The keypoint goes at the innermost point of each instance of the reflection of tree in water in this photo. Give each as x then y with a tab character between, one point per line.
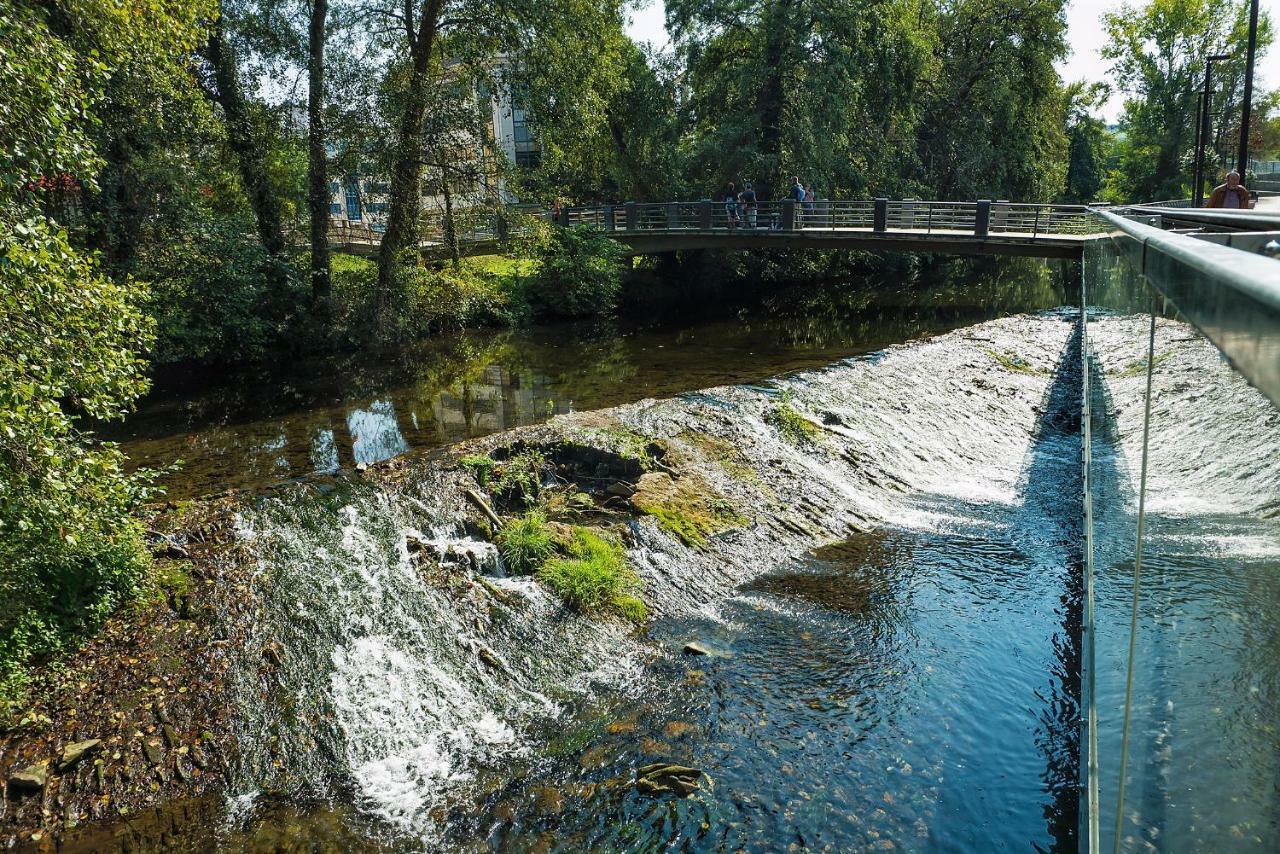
375	435
324	452
928	299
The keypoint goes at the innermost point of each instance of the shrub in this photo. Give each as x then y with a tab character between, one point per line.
525	543
70	550
594	577
520	477
480	465
212	295
579	272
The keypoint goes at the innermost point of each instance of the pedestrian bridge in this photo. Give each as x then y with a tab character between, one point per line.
646	228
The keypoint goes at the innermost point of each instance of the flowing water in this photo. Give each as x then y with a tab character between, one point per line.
903	676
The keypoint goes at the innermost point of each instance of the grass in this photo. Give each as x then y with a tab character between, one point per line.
526	543
595	577
501	265
520	476
793	426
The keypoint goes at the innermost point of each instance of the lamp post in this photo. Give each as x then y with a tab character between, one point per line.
1242	161
1202	136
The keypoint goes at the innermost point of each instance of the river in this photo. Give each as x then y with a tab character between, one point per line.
895	665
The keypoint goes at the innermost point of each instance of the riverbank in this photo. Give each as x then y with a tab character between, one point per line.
410	600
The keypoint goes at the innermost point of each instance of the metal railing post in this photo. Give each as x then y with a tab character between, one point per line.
982	218
1035	226
673	215
563	219
789	215
704	214
633	216
610	218
880	219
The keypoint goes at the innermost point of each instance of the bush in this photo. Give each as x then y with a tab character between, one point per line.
212	295
594	577
520	477
480	465
70	550
525	543
578	274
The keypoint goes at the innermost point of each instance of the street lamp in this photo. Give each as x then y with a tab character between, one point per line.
1242	162
1202	132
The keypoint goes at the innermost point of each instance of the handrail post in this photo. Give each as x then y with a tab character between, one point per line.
704	214
1035	226
609	218
789	215
982	218
880	219
673	215
633	216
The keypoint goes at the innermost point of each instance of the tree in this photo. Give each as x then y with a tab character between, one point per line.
70	550
1157	52
317	156
1088	141
991	122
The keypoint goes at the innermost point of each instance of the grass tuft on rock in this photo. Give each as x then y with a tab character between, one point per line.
595	577
526	542
1012	362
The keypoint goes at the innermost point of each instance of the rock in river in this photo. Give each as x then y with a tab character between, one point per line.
664	777
30	779
73	753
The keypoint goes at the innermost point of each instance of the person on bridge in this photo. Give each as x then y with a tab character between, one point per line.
749	203
1232	194
731	205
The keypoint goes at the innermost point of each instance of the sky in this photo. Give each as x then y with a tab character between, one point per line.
1084	32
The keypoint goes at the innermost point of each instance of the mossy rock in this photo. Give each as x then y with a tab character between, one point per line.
688	508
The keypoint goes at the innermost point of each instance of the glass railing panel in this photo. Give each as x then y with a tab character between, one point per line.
1202	759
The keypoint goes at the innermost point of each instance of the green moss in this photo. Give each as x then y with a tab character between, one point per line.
1012	362
689	510
525	543
480	465
732	460
594	577
1138	367
173	577
627	444
793	426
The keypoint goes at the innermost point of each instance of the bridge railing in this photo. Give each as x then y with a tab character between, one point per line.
980	218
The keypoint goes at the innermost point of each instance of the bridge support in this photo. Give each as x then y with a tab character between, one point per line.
633	216
704	214
880	215
673	215
982	218
789	215
610	218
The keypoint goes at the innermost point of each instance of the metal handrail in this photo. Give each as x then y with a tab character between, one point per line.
1231	296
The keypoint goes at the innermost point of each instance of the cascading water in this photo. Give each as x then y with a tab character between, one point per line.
396	668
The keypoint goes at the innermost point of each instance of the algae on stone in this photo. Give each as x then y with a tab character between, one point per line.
688	508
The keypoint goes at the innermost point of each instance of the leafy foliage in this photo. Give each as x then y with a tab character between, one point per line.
70	552
579	272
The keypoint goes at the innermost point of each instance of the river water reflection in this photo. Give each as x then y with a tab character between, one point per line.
254	428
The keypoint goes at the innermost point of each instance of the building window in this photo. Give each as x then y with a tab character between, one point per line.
335	208
527	153
353	203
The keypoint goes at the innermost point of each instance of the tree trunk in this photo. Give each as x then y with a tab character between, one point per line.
318	196
406	171
770	100
450	227
249	151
